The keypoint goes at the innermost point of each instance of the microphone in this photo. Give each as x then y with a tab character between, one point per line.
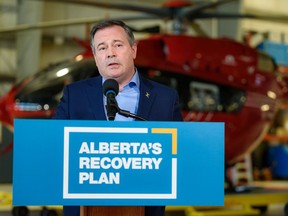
110	90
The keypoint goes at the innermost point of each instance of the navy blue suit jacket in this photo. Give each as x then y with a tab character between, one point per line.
83	100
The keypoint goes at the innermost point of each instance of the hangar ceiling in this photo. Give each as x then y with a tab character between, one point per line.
52	11
15	52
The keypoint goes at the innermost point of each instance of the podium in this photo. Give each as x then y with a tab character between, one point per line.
112	211
117	168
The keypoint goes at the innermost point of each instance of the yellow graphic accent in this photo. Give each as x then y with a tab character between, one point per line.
172	131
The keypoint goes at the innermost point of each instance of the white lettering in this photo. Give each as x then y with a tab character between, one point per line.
84	162
103	147
157	148
125	148
84	148
119	163
104	178
83	176
114	148
143	149
121	148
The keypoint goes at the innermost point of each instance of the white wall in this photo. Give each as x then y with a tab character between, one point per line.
277	30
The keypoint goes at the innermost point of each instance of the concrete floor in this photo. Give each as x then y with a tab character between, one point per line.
275	209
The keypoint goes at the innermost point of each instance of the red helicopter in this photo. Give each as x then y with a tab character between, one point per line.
218	80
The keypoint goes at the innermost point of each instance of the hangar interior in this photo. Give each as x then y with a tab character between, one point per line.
36	34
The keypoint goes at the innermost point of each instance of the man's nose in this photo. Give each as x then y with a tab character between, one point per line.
111	52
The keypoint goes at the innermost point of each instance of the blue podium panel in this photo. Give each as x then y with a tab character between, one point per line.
72	162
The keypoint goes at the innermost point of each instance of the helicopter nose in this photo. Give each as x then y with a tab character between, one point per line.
4	114
5	122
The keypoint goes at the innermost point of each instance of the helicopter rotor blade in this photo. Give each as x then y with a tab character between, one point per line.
151	29
198	29
177	12
194	10
275	18
69	22
156	11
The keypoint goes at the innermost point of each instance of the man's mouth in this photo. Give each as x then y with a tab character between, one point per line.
114	64
111	64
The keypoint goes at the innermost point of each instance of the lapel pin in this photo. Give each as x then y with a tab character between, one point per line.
147	95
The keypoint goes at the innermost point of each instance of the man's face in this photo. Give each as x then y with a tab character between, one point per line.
114	56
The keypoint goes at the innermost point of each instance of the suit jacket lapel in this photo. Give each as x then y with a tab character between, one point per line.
147	96
95	96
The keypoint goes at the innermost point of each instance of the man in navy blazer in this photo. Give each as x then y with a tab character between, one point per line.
156	102
114	49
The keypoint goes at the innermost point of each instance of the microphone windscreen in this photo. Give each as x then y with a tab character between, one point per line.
110	85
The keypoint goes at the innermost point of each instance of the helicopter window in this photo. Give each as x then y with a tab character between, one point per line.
203	97
158	76
45	90
85	70
265	62
233	99
42	98
209	97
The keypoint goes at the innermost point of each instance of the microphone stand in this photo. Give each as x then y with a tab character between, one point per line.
124	112
129	114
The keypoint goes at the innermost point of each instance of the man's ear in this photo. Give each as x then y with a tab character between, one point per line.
134	47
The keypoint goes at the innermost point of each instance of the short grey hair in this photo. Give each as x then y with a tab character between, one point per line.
108	23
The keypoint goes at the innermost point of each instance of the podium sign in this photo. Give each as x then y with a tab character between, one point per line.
73	162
